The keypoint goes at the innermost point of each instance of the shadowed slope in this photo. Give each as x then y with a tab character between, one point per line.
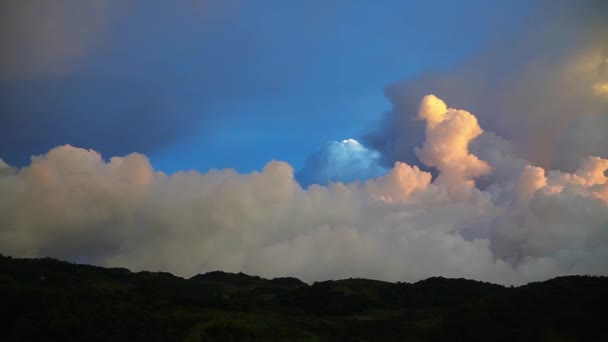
50	299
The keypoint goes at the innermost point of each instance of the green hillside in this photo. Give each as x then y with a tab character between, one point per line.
51	300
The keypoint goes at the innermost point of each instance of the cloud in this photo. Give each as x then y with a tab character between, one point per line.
93	73
539	87
448	134
341	161
90	74
45	38
73	204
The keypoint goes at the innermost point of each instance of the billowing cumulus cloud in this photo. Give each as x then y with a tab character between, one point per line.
341	161
541	87
448	134
537	223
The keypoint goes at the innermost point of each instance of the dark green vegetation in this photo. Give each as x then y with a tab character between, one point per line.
51	300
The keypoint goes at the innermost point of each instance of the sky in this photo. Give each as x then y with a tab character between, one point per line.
320	139
216	84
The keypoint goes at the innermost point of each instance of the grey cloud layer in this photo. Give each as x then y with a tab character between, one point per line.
91	73
529	225
544	88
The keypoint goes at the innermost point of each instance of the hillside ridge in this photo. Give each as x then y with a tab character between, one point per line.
50	299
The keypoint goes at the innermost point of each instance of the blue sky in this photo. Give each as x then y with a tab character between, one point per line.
339	93
482	123
217	84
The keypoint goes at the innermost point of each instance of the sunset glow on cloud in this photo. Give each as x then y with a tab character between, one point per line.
486	158
541	223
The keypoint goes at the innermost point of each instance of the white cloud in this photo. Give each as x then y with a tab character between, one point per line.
448	134
542	89
72	204
341	161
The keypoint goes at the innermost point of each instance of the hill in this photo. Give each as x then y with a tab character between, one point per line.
48	299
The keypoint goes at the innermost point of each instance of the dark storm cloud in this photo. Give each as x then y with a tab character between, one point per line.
133	76
109	114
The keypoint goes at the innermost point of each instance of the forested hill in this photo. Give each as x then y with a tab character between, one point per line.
51	300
